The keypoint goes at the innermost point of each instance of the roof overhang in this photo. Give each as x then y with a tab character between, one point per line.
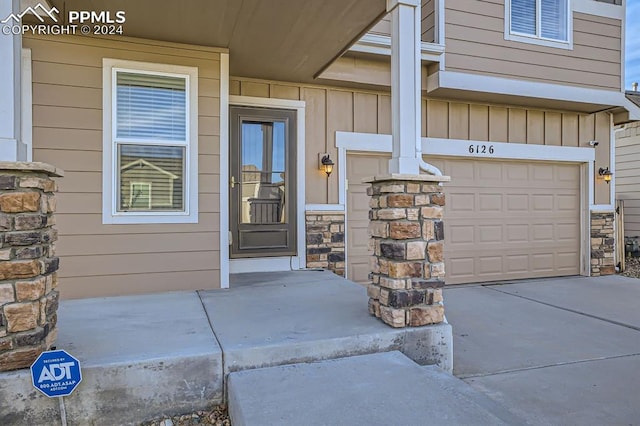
291	40
483	88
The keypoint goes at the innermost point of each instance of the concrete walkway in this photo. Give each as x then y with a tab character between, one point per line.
378	389
166	354
560	351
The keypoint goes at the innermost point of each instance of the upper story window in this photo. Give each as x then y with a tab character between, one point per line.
150	143
545	22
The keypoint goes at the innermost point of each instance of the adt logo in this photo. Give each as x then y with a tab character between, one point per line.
56	373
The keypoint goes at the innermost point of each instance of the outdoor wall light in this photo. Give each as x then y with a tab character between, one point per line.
326	163
606	174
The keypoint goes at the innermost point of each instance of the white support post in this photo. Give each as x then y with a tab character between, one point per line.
11	148
405	85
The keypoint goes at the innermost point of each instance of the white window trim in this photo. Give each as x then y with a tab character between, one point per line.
110	215
541	41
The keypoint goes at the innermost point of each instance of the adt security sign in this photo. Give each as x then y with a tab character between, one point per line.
56	373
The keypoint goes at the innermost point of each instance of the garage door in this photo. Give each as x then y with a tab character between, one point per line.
503	219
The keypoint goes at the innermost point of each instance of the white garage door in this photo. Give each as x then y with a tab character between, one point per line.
503	219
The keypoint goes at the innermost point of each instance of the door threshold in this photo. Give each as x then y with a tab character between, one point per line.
264	264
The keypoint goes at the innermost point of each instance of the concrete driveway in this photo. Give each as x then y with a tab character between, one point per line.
562	351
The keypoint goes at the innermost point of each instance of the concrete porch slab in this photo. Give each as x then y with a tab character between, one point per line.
141	356
378	389
273	319
151	355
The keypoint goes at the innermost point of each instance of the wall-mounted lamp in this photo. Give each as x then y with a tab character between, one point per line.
606	174
326	163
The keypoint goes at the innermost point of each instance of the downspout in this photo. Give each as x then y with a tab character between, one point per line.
429	168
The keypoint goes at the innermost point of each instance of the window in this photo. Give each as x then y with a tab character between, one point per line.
150	143
545	22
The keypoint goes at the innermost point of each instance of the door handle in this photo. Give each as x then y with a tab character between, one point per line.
232	182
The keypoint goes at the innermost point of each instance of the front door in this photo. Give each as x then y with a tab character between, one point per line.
262	182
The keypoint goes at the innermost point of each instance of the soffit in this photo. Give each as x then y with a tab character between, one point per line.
289	40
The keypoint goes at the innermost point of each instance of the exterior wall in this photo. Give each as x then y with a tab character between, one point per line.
383	27
627	176
474	33
327	110
332	109
97	259
325	241
428	23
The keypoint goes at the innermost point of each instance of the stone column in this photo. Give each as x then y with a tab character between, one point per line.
408	262
28	278
602	244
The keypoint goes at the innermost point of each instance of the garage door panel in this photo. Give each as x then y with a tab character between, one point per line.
568	202
490	234
517	174
567	231
459	234
461	202
542	203
489	202
542	233
517	263
517	202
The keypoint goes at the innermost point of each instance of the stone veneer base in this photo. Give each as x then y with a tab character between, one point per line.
602	244
325	241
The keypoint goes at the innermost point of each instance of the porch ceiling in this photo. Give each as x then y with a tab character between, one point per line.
274	39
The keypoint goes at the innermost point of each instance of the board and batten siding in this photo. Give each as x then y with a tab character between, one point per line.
628	176
108	260
331	109
474	32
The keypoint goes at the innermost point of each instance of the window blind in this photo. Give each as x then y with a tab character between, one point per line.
523	16
150	107
554	19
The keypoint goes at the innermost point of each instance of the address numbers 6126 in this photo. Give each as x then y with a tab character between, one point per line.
481	149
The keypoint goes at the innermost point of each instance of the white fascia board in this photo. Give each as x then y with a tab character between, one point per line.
634	110
524	88
381	45
369	142
506	151
598	8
